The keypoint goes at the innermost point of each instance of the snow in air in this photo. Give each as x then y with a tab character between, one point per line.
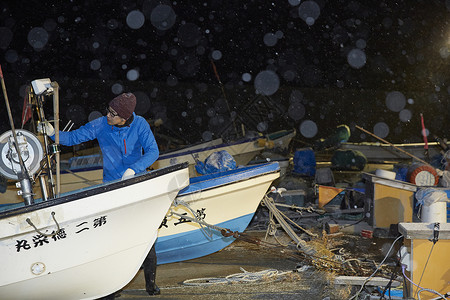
381	129
395	101
309	11
267	82
135	19
308	128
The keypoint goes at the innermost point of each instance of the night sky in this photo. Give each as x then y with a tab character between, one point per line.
308	65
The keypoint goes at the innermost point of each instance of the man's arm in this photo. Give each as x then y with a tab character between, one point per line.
85	133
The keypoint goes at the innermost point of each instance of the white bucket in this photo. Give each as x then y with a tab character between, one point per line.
434	213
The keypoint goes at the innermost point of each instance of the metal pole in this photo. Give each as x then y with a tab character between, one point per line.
23	176
399	149
40	104
56	119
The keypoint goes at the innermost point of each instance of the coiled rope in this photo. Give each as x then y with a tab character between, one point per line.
245	277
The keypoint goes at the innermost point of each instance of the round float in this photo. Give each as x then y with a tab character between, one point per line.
422	175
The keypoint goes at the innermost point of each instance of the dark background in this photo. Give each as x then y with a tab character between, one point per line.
91	50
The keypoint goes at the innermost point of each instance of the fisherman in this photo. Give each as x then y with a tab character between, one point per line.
128	147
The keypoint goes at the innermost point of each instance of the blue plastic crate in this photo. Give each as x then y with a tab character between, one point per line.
394	293
305	162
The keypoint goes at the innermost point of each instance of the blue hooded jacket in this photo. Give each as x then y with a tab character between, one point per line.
121	146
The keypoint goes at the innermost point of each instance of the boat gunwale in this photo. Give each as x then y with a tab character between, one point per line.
217	181
91	191
221	186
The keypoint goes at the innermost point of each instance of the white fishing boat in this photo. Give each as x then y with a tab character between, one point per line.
84	244
242	151
224	200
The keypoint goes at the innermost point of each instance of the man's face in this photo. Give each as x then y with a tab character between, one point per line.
113	118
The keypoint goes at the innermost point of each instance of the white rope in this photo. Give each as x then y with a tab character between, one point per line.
301	244
246	277
271	205
272	230
203	225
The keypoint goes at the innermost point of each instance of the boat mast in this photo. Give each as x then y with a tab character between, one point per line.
55	87
23	176
40	89
48	156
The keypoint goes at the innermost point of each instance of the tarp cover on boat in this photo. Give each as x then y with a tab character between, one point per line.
216	162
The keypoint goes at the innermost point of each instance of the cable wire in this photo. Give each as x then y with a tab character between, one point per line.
379	266
421	288
388	286
424	267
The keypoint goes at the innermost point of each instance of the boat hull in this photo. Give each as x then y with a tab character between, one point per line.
100	246
195	243
227	201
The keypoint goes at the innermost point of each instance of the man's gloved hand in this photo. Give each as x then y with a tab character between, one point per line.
49	130
128	174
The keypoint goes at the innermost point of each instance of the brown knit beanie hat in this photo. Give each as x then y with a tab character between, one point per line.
124	105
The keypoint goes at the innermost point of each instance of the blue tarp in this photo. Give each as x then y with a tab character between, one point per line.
219	161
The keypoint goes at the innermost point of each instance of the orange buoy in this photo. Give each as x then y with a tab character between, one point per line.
422	175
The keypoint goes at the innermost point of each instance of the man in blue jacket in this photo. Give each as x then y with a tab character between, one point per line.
121	135
128	147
